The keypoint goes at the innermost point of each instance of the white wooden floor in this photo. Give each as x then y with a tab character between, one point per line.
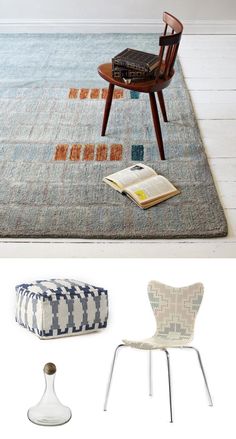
209	66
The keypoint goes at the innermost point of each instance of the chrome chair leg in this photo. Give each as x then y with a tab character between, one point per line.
150	374
110	376
169	382
203	373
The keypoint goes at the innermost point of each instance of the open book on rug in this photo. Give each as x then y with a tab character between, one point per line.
142	185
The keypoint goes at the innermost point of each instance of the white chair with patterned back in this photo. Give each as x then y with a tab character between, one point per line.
175	311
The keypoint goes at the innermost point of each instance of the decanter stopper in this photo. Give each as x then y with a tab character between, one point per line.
49	410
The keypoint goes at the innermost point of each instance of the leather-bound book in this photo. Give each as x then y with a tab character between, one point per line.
136	60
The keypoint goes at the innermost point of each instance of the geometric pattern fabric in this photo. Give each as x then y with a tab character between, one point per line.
101	93
96	152
61	307
175	310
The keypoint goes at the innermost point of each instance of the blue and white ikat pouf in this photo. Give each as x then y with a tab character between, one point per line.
61	307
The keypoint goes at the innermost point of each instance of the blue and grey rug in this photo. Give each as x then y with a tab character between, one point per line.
52	158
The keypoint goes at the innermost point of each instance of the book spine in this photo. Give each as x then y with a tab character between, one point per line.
120	72
130	65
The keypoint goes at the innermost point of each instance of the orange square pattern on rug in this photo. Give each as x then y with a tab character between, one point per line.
93	93
116	152
75	152
61	152
101	153
89	152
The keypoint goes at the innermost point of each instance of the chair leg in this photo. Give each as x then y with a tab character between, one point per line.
111	375
157	126
203	373
107	108
150	374
169	383
162	105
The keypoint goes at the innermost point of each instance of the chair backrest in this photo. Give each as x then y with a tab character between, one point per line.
175	309
169	44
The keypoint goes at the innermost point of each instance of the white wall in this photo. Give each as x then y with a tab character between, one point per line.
141	9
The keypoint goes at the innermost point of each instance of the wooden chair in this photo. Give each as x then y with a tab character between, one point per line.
169	44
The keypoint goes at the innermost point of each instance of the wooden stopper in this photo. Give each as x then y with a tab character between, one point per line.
49	368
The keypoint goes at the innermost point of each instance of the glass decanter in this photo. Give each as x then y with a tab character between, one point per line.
49	411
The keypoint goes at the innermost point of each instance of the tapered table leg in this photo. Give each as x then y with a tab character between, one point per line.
157	126
107	108
162	105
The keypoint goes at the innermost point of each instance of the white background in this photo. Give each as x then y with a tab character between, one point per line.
83	362
86	9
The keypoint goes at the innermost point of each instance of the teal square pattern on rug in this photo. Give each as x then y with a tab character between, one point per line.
53	159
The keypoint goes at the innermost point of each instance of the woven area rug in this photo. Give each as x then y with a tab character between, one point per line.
52	158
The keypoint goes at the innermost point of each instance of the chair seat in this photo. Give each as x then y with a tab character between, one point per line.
157	343
154	85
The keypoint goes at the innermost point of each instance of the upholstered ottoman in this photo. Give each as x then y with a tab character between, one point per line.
61	307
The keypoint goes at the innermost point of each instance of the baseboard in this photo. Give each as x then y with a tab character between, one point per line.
112	25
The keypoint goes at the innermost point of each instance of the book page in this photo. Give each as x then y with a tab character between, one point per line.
152	188
129	176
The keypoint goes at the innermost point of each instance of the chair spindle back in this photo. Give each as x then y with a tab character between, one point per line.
169	44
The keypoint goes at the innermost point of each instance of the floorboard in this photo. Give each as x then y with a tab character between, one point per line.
205	111
205	68
224	169
219	137
227	192
214	96
208	83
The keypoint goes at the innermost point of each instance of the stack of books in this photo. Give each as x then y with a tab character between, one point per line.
134	65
